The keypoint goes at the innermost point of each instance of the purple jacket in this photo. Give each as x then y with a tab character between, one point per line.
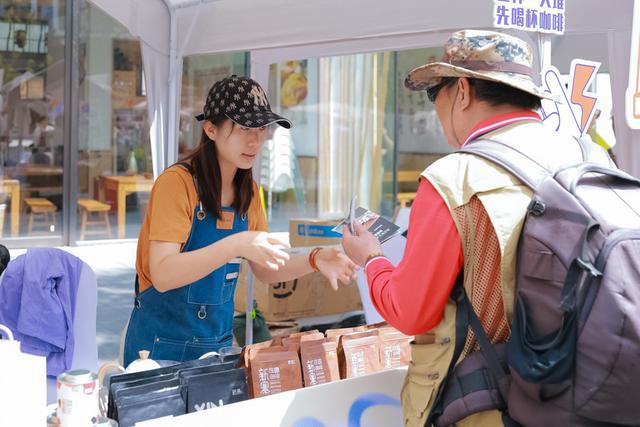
38	301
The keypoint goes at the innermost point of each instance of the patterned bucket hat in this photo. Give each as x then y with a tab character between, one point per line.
486	55
243	101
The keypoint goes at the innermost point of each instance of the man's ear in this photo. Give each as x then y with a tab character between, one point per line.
210	129
464	93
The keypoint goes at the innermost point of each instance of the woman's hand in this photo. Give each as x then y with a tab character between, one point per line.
360	245
335	266
263	249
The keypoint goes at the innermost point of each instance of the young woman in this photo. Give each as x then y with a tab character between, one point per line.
204	216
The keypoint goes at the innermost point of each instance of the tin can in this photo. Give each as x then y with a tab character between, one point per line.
77	398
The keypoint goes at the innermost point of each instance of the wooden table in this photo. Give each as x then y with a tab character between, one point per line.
37	178
12	187
124	185
29	170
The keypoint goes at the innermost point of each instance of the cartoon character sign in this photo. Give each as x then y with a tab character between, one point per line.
576	112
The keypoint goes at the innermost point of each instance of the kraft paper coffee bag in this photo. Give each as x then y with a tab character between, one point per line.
358	356
274	370
395	350
319	359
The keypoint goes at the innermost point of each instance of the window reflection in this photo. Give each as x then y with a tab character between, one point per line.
31	118
115	166
198	74
357	132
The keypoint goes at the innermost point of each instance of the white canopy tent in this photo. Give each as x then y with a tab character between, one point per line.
276	30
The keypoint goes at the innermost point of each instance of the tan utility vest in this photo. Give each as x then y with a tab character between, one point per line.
458	178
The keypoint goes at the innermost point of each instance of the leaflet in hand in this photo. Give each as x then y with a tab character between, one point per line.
379	226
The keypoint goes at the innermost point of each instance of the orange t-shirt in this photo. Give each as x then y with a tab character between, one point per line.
170	215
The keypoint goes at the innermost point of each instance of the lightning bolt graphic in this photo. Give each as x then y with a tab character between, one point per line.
583	75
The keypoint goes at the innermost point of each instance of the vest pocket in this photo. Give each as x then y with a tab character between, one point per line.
427	370
417	395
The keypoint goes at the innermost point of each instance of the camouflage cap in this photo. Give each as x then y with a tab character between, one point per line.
486	55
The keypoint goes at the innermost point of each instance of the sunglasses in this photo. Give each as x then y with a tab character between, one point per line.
432	92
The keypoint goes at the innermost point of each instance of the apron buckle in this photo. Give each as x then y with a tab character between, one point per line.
201	214
136	303
202	312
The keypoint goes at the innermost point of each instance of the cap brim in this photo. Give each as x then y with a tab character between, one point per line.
426	76
257	120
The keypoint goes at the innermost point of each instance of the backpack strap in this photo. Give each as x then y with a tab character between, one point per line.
526	169
462	326
591	151
499	379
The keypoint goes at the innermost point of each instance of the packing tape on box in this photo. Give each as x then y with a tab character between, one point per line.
316	230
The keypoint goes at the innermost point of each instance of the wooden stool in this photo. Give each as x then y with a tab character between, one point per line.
41	206
89	206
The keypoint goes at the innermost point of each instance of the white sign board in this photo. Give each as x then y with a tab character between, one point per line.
632	97
543	16
368	401
573	115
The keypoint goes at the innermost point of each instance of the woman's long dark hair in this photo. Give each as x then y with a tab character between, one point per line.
203	165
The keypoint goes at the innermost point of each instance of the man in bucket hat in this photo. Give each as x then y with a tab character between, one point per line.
468	212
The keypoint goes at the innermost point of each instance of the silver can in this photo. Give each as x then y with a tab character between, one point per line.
77	398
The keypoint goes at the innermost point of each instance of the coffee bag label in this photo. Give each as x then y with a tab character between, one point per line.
269	381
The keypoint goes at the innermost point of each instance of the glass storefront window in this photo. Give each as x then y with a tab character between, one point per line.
198	75
340	145
357	132
32	75
115	167
419	136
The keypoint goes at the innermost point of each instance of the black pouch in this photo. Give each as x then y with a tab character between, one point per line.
153	375
115	390
188	372
122	380
136	408
141	392
231	358
214	389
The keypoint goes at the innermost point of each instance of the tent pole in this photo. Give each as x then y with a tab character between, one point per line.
544	49
251	284
171	144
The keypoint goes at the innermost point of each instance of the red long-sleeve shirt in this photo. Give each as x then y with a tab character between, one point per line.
412	296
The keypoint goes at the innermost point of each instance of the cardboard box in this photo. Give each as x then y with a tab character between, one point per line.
313	232
308	296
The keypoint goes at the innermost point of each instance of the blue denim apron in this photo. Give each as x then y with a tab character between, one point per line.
184	323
